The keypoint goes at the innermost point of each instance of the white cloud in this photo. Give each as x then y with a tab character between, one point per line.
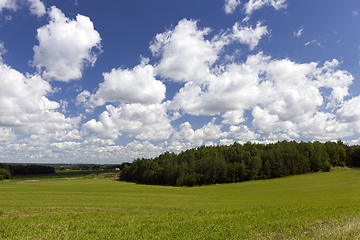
238	87
268	123
8	4
226	142
66	145
286	99
249	35
209	131
313	42
253	5
353	142
298	32
94	126
46	122
278	4
186	132
324	126
98	142
246	19
2	49
280	93
185	54
230	6
137	149
58	136
6	136
137	85
65	46
143	122
36	6
44	143
210	143
233	117
24	107
83	98
349	111
177	146
243	133
338	80
89	150
21	93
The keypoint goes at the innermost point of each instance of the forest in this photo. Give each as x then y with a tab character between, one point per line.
8	170
240	162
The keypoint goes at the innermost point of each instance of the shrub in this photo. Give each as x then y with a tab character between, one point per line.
4	174
326	166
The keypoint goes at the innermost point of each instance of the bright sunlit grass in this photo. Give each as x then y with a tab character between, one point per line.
312	206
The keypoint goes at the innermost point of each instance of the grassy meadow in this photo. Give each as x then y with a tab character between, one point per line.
80	205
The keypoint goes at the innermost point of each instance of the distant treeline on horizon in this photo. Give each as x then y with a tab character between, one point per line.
7	170
240	162
18	169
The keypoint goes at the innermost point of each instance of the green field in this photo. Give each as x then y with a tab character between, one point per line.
79	205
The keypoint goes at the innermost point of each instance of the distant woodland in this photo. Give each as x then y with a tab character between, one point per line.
240	162
8	170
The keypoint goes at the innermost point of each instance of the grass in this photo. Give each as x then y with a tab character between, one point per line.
95	206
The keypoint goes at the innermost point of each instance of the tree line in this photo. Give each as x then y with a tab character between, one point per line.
240	162
8	170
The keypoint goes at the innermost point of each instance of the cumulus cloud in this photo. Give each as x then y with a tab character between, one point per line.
266	122
98	142
248	35
24	107
283	96
65	46
323	125
259	98
8	4
94	126
280	93
233	117
231	5
36	6
6	136
242	133
59	136
66	145
137	85
185	53
338	80
137	149
349	111
253	5
23	93
91	149
290	89
207	132
226	142
143	122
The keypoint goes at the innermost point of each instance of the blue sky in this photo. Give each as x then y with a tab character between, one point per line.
110	81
